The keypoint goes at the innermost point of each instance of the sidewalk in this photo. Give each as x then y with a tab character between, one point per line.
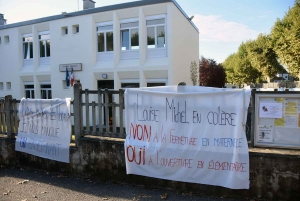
31	185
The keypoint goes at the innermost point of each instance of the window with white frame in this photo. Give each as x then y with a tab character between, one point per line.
64	31
129	35
105	37
75	29
156	82
27	47
44	39
46	92
1	85
130	85
29	91
8	85
156	31
6	39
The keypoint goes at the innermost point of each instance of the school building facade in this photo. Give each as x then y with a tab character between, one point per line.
137	44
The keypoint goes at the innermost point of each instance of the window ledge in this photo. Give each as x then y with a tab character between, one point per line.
130	50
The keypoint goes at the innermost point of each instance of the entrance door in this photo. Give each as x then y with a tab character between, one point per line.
106	84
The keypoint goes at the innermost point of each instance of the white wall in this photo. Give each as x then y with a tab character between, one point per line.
182	47
10	62
185	45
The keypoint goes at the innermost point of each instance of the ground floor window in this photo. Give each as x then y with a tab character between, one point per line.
29	91
46	91
157	84
130	85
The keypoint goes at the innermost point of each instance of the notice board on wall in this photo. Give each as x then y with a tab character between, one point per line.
277	120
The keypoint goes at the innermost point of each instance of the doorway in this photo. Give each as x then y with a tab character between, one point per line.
106	84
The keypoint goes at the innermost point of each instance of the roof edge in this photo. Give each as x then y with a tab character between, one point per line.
96	10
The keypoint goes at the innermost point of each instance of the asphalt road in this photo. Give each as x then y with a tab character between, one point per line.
32	185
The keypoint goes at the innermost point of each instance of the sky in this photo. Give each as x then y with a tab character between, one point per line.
223	24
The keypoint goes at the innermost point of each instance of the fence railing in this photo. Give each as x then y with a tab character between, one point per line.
93	112
9	121
103	116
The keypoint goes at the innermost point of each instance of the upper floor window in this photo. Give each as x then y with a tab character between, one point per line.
64	30
8	85
75	29
44	45
105	37
129	35
6	39
155	32
27	47
0	40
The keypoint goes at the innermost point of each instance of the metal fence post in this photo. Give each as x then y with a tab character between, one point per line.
121	107
252	116
77	108
9	125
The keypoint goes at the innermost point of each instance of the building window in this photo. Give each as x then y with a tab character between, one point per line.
46	91
27	47
1	85
105	38
8	85
154	84
75	29
29	91
129	35
0	40
156	33
130	85
44	45
6	39
64	31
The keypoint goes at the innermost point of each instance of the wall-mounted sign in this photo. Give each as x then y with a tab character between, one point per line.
76	67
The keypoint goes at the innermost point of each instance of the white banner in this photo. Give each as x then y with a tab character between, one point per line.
188	134
45	128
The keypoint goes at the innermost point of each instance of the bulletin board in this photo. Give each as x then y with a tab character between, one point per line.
277	120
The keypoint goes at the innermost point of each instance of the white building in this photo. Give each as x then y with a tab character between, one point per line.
137	44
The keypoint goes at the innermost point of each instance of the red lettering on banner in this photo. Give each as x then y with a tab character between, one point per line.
140	132
236	167
176	162
132	156
182	140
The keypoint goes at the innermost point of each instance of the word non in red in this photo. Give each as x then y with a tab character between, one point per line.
140	132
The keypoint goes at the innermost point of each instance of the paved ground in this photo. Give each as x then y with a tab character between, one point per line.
31	185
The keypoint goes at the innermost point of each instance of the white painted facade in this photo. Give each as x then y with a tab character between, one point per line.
169	63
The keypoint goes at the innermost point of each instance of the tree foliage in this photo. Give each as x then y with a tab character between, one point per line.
238	68
194	73
254	62
286	39
211	73
262	57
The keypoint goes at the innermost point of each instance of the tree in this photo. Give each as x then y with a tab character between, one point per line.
286	39
262	56
211	73
238	68
194	73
